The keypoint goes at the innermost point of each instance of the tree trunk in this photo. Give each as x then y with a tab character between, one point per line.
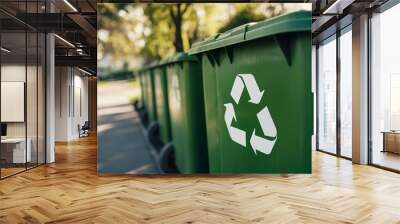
178	36
178	42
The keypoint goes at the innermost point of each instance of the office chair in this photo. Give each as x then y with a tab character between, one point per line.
84	130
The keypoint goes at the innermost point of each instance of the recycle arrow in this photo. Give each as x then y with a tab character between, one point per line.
237	135
268	127
261	144
249	81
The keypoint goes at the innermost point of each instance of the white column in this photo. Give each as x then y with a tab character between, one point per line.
50	92
50	99
360	90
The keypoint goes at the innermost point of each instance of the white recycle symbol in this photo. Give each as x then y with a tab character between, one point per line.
258	143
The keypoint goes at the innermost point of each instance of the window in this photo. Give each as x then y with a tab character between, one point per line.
346	92
385	89
327	96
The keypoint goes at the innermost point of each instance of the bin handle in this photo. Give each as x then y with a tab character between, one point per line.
246	29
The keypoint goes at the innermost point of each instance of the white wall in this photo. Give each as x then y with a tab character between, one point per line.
14	72
71	87
62	81
33	125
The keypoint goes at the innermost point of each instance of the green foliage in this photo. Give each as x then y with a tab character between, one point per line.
139	33
247	13
242	17
114	31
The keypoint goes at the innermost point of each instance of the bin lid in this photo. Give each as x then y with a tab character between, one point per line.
179	57
148	66
292	22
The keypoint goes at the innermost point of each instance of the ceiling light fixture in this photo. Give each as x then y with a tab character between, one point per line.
70	5
337	7
64	40
84	71
5	50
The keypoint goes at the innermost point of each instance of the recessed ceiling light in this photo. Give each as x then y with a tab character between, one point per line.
64	40
5	50
84	71
70	5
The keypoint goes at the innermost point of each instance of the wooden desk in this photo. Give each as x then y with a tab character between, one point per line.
391	141
16	154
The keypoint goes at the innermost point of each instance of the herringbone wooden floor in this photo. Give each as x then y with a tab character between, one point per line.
70	191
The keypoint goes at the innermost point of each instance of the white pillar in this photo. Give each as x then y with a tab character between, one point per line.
50	92
50	99
360	90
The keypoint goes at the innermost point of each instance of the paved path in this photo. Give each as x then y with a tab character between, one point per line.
122	147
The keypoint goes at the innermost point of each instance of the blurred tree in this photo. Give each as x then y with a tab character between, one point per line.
242	17
115	30
160	29
247	13
142	32
177	12
168	25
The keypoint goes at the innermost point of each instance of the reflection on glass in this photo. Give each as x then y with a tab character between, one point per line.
13	85
22	90
385	89
346	94
327	96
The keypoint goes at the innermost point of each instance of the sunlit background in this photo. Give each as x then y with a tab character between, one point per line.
130	35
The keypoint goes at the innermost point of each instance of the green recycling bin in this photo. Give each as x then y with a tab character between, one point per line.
258	98
147	74
185	91
161	99
141	85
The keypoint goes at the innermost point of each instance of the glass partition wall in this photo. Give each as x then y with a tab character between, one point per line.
22	106
327	95
334	93
385	90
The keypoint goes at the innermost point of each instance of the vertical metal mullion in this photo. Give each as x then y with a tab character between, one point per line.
45	95
338	77
26	85
69	93
60	86
317	96
73	93
37	90
45	89
369	89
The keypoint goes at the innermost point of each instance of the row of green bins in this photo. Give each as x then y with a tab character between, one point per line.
140	77
147	85
161	101
257	95
185	91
